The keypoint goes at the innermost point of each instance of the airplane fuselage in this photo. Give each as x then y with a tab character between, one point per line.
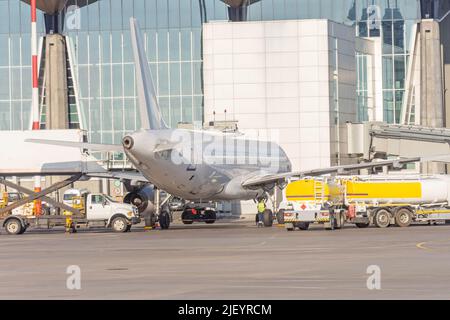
204	165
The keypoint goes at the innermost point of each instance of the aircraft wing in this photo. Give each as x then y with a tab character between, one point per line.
121	175
259	181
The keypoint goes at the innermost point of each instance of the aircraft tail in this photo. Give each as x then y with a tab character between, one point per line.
151	117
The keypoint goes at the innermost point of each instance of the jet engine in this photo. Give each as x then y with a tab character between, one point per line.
143	198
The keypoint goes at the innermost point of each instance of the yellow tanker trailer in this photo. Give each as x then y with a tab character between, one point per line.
399	200
379	199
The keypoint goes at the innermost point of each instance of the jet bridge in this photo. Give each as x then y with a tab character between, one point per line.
372	140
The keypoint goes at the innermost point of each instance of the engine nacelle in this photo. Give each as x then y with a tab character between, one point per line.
142	198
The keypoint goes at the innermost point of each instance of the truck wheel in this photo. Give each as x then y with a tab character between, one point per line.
14	226
280	216
362	225
403	218
302	225
382	218
268	218
210	216
339	220
119	224
164	220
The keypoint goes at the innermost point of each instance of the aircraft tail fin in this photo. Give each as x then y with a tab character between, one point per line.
151	117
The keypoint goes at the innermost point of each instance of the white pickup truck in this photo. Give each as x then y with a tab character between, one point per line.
98	210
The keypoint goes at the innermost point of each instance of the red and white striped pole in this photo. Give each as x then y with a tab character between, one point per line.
35	96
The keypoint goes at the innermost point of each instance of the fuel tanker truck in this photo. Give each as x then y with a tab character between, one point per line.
382	200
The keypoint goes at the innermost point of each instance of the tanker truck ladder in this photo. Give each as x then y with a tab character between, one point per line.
319	191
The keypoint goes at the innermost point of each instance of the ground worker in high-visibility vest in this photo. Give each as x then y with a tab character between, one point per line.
261	208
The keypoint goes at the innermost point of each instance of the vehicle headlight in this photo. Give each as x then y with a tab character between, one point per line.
130	213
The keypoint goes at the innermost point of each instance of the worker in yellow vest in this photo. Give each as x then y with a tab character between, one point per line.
261	208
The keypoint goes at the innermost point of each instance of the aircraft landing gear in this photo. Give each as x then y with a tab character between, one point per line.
164	220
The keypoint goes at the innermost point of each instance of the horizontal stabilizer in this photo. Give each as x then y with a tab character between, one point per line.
81	145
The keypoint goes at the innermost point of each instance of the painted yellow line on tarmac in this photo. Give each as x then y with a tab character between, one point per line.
421	245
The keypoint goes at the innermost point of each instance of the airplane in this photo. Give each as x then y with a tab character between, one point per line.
199	165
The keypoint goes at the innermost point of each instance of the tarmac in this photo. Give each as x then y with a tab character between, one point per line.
228	261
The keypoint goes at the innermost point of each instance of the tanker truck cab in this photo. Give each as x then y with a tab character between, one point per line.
102	208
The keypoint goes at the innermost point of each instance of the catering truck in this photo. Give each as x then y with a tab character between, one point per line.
96	210
382	200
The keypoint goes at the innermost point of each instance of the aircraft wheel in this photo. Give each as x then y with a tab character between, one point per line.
210	216
268	218
382	218
280	216
164	220
403	217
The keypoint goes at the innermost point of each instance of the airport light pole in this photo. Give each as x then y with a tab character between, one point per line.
35	96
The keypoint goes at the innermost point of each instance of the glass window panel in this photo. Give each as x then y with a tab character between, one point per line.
26	50
117	80
174	78
107	137
116	14
388	106
139	12
83	18
106	51
399	37
387	37
94	16
186	78
116	45
128	80
399	70
185	45
174	13
175	110
105	17
15	49
118	115
14	14
161	15
4	50
127	50
106	81
130	114
16	109
185	17
4	17
151	46
398	104
15	83
388	77
165	109
106	114
26	83
197	44
127	13
174	45
94	84
5	123
150	9
163	54
196	14
94	51
254	11
198	110
163	76
81	47
267	9
186	109
197	68
220	11
4	80
291	9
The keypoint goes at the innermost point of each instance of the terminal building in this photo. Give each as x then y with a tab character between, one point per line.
301	68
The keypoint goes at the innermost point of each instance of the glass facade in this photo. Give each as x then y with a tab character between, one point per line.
103	62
